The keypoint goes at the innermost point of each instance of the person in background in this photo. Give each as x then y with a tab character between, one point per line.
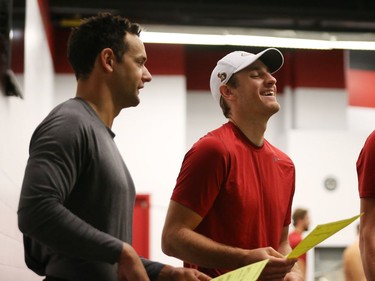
301	223
231	205
77	197
352	264
366	188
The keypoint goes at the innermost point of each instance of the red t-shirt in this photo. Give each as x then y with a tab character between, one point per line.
243	192
366	168
294	239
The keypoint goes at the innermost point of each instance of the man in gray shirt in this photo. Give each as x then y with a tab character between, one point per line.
77	198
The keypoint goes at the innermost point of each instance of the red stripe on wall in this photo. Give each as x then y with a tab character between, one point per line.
165	59
199	65
360	89
318	69
18	52
46	19
283	75
61	43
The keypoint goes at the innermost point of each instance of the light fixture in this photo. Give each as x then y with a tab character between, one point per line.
257	38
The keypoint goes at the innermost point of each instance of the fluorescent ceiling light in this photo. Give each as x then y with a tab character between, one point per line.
235	40
257	38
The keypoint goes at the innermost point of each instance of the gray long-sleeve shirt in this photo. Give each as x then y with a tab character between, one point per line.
77	198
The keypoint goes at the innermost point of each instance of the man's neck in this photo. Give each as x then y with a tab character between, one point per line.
254	131
99	100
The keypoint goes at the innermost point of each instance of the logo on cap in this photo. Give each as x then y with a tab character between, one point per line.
222	76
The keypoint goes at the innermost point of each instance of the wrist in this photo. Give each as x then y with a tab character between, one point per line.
165	273
127	254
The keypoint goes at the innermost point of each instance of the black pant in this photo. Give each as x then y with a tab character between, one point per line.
49	278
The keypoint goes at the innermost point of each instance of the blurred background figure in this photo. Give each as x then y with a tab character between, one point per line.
352	263
301	223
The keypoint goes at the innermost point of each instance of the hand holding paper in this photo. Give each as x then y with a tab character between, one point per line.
320	233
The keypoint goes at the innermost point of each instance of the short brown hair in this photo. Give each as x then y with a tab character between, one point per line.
93	35
298	214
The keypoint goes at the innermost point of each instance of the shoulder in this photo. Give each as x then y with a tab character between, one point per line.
68	116
351	252
208	148
68	122
212	143
370	142
371	137
349	249
72	110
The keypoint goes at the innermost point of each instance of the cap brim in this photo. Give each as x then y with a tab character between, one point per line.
272	58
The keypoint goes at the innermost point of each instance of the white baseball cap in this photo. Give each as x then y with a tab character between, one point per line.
238	60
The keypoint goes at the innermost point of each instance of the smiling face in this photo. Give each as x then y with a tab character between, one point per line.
130	74
255	92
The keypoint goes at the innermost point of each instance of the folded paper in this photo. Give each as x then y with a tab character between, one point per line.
249	272
318	235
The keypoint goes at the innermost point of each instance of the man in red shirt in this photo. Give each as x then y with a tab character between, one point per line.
301	223
232	202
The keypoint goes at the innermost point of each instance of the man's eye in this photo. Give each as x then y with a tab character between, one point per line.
140	61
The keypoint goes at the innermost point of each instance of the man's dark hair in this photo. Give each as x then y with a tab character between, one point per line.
95	34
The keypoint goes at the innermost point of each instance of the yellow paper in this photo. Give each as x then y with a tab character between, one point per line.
249	272
319	234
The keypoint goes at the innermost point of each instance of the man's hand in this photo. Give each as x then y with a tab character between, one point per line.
130	266
277	267
169	273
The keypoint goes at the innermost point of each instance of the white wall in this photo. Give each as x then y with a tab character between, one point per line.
320	109
18	119
361	119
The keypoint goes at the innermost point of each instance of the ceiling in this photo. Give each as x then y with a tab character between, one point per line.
321	15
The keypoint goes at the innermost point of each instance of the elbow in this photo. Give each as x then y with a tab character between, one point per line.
26	219
23	221
167	243
26	214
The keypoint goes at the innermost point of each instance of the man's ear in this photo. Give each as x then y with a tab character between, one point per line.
226	91
107	59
